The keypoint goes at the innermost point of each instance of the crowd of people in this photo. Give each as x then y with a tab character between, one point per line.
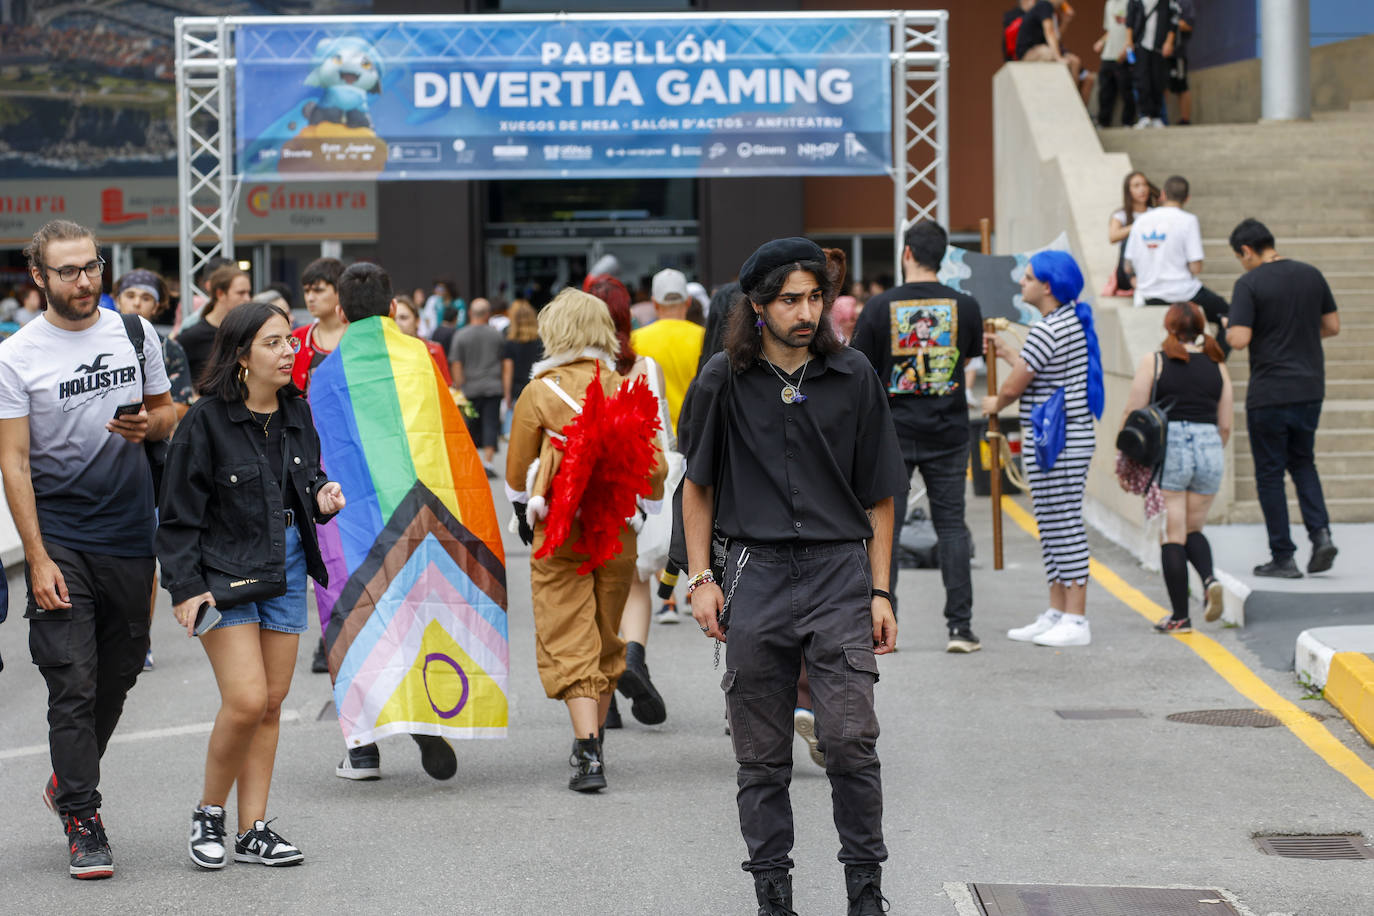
1143	54
767	449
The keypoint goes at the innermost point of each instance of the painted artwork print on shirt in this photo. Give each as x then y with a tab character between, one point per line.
924	357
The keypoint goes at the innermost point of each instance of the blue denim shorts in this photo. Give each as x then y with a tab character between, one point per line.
286	613
1193	461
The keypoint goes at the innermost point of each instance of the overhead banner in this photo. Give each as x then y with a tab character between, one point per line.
613	98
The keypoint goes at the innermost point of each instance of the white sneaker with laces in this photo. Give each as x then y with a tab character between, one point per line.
1071	630
1143	123
1042	623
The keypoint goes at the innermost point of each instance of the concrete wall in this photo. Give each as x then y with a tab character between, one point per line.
1230	94
1052	176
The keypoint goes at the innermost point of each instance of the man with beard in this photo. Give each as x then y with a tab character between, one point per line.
77	403
792	461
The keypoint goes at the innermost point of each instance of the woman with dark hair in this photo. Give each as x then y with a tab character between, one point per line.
723	301
243	491
1188	375
1058	379
407	318
652	531
1137	197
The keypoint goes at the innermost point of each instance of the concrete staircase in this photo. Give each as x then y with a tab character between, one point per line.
1312	184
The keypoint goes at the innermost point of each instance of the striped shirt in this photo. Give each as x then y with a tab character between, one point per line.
1057	352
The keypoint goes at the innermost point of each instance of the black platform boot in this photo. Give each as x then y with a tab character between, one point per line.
586	758
863	885
774	891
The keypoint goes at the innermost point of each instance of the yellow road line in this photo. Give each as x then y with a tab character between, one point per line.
1307	729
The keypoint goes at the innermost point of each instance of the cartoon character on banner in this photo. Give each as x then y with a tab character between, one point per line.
338	135
347	70
924	350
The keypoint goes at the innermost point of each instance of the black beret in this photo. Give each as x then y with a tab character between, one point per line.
774	254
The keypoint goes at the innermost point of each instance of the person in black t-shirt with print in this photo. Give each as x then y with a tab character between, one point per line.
1282	310
918	337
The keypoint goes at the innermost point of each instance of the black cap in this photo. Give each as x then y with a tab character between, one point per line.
775	254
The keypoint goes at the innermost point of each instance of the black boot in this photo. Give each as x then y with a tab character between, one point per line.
1279	569
863	884
586	758
646	703
774	891
1323	552
320	663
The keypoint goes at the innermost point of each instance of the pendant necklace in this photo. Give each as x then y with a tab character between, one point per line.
791	394
265	423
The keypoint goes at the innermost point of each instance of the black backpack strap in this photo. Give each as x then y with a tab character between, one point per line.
1158	372
133	326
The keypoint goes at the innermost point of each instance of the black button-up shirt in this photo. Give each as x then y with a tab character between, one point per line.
802	472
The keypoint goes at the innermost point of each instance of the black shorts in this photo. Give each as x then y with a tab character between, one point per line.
1178	74
485	428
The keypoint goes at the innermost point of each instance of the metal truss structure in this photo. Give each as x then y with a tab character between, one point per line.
207	183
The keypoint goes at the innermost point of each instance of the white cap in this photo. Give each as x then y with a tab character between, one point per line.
670	287
698	292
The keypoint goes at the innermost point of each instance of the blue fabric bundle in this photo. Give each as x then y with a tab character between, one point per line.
1059	271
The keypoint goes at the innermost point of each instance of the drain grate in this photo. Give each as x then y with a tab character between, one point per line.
1317	846
1072	900
1234	718
1100	714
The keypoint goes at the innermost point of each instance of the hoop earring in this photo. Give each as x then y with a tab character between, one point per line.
243	381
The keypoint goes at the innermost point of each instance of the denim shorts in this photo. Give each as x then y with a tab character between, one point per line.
287	612
1193	461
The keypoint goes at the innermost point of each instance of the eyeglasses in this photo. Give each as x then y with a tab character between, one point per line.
69	273
280	345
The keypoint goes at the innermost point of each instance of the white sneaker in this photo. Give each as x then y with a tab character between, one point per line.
1142	124
1156	122
1041	625
1071	630
804	721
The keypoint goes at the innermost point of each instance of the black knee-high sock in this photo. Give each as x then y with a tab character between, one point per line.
1174	560
1200	554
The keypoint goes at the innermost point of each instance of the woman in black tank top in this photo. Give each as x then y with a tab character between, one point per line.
1189	378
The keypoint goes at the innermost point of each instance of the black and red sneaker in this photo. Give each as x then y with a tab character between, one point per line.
90	850
1174	625
50	795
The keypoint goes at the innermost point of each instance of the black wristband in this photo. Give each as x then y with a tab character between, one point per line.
880	593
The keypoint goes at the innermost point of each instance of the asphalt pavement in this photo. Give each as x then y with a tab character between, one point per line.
984	782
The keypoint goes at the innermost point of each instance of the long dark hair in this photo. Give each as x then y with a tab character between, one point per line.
1128	202
232	342
744	342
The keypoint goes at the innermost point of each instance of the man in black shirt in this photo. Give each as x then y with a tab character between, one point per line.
1151	27
1282	309
919	336
793	461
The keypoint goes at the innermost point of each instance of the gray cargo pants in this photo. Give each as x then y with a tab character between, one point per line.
790	603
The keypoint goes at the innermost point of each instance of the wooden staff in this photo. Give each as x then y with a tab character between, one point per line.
994	425
994	438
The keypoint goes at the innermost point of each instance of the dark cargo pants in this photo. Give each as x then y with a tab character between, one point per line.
90	655
791	603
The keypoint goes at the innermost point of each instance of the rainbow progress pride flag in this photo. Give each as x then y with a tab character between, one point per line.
415	613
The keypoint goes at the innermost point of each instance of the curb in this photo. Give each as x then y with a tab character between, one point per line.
1335	660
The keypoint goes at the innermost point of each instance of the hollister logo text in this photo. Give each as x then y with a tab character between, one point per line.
94	380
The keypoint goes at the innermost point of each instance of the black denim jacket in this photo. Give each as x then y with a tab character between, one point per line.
219	505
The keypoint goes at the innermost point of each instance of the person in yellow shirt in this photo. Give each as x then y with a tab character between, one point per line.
672	341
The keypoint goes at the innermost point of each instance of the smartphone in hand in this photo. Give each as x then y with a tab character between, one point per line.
128	410
206	618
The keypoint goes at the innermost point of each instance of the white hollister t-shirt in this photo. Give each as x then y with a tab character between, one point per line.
1162	243
93	488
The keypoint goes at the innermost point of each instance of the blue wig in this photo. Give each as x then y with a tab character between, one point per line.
1059	271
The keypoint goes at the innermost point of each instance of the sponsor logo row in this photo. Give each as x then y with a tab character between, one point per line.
511	152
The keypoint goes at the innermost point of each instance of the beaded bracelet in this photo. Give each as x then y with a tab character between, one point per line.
699	580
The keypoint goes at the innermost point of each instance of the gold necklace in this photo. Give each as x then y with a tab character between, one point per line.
252	413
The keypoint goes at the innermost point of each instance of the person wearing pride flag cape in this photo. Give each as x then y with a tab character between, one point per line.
414	612
1058	379
584	449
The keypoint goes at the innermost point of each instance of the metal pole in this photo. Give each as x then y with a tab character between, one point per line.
224	97
942	125
994	439
185	250
1285	60
899	150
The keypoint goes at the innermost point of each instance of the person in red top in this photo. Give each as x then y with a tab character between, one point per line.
319	338
407	318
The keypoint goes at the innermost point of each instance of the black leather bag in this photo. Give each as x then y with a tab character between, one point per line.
1144	437
231	589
